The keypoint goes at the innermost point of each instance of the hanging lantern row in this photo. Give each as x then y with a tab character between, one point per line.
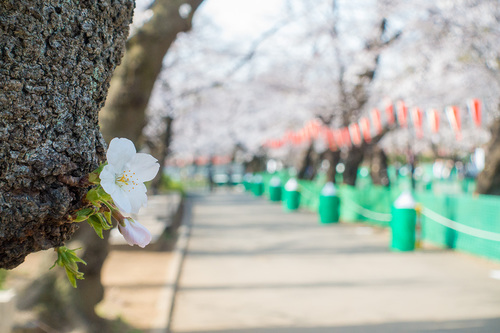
360	131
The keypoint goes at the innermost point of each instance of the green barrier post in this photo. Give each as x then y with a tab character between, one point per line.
292	196
275	189
258	187
329	204
275	193
329	209
403	223
247	181
292	200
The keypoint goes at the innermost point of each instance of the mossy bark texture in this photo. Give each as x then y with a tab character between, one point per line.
56	60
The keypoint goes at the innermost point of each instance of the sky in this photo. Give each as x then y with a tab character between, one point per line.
236	19
242	19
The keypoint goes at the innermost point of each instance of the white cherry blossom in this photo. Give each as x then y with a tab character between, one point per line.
135	233
124	176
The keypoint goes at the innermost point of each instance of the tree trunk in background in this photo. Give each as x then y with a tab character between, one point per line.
307	164
57	58
356	154
354	158
163	153
91	291
488	181
333	157
378	166
132	83
256	164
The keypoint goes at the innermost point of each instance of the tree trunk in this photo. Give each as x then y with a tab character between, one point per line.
488	181
91	291
333	157
57	58
256	164
378	166
131	86
307	166
354	158
163	153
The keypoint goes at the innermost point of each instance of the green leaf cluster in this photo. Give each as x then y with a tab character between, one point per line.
99	215
68	259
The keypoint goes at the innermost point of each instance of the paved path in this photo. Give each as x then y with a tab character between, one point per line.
252	268
138	282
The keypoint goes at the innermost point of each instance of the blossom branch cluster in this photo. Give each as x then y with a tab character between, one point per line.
119	192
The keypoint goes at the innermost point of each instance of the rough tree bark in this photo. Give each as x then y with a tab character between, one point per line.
488	181
56	61
131	86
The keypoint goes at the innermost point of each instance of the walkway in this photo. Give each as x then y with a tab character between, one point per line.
250	267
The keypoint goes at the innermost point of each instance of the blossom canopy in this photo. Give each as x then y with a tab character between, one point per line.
124	176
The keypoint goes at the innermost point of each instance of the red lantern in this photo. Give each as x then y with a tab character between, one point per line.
346	137
433	120
402	114
376	121
474	106
337	135
364	123
453	114
330	139
355	134
389	111
416	116
304	134
313	128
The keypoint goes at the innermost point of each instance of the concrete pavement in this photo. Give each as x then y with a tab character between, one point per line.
250	267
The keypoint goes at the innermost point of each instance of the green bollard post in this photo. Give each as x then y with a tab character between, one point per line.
257	186
247	181
329	204
275	189
404	218
292	195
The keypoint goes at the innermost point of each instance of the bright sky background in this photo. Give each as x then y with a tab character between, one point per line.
244	19
236	19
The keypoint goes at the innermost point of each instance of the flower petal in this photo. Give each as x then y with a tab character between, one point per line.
120	152
121	200
108	179
137	198
145	166
135	233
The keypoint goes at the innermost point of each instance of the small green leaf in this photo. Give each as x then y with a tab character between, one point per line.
94	175
102	194
92	196
95	223
67	258
104	222
71	278
107	216
71	255
83	214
